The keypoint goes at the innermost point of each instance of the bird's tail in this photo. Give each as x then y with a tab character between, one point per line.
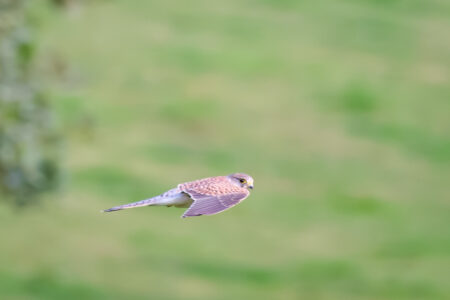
163	199
146	202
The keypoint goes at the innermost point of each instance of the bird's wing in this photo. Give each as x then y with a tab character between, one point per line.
210	205
212	196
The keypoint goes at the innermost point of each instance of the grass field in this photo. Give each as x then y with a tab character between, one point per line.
338	109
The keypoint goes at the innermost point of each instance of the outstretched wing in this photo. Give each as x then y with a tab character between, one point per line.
210	205
212	196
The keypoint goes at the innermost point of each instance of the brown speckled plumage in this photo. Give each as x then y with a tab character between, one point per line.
203	197
219	185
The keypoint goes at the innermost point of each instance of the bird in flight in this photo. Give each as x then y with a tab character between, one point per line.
206	196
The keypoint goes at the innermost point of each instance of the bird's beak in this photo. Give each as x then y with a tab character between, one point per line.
250	187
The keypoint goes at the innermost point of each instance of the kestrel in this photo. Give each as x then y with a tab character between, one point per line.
206	196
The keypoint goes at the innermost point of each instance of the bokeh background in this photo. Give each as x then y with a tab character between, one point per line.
340	110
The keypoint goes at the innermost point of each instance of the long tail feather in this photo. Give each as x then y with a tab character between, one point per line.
133	205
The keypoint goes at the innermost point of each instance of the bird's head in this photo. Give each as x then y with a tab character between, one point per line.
241	180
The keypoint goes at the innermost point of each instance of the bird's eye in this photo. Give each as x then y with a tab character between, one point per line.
242	180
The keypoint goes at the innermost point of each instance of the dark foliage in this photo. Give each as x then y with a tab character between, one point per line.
29	142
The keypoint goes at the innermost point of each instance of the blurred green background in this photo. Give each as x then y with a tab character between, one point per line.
338	109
